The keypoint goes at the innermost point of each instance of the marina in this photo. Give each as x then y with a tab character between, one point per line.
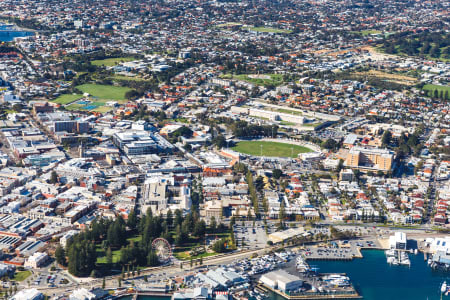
332	270
440	261
344	270
314	294
374	279
306	282
396	257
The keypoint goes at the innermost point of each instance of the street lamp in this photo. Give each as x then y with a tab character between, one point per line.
292	154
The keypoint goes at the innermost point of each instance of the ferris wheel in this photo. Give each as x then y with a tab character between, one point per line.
162	249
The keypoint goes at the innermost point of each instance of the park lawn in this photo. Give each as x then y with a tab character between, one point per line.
430	88
105	92
269	29
67	98
21	276
271	149
101	255
135	239
110	62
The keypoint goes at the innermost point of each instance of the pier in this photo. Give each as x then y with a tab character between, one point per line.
340	251
322	253
351	294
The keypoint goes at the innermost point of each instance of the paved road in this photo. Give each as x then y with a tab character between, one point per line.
168	271
173	270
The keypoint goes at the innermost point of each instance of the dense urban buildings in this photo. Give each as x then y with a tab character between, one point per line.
142	139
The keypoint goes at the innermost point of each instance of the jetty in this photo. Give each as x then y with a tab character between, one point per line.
313	295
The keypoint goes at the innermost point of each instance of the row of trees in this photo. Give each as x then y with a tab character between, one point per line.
252	191
341	234
80	255
438	94
243	129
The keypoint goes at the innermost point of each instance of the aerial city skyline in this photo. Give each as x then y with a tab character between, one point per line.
218	150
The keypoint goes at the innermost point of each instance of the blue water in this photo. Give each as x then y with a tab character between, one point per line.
374	279
8	36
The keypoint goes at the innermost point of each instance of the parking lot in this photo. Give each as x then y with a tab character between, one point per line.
342	250
46	278
252	236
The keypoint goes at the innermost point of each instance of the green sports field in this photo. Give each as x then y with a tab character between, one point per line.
99	95
271	149
106	92
109	62
67	98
